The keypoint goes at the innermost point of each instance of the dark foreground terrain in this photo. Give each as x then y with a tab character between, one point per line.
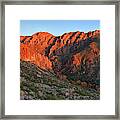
39	84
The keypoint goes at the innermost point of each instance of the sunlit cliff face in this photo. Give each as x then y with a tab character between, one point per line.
61	53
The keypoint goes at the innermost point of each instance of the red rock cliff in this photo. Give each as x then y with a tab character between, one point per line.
47	50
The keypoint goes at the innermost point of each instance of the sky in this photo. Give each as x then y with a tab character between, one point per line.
57	27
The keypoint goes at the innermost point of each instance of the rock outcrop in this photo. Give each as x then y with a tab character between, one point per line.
73	56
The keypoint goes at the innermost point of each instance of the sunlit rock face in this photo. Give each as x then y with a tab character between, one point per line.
32	48
72	56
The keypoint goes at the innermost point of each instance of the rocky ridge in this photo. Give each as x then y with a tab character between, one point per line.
73	56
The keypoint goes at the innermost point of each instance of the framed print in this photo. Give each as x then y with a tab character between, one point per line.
60	59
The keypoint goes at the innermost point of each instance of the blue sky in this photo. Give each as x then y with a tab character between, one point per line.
57	27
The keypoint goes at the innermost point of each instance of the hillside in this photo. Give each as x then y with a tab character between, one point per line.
72	60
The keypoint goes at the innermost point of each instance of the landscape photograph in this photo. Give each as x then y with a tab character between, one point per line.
59	60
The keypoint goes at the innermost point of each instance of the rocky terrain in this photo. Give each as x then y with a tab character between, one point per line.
63	67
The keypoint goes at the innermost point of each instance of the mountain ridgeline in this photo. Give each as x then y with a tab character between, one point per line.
73	57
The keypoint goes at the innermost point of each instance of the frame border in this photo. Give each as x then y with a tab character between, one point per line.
55	2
